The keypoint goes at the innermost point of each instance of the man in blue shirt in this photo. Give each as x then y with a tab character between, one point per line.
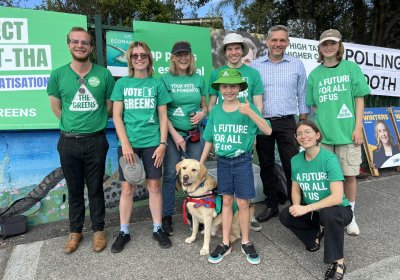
284	79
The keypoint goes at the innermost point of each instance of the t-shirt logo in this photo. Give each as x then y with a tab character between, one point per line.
344	113
83	101
151	120
148	92
178	112
225	74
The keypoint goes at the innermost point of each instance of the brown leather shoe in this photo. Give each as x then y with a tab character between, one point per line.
99	241
72	244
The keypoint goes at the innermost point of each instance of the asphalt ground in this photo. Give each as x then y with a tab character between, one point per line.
374	254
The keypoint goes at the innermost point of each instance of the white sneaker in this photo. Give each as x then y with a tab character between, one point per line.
352	228
255	225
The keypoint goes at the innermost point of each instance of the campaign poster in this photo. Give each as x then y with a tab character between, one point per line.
32	44
396	120
160	37
383	145
117	44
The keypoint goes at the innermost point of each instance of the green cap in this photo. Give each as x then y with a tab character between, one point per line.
231	77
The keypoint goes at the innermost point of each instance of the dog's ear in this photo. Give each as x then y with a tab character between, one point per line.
178	167
202	172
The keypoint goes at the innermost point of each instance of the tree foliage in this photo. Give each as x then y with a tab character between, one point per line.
375	22
116	10
6	3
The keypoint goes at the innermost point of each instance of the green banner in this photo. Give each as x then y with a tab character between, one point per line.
161	36
32	44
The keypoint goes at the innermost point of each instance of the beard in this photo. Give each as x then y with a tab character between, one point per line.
80	58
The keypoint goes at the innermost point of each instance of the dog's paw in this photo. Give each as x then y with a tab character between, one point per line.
190	240
204	251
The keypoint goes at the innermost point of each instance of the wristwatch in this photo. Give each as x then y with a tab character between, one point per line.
163	143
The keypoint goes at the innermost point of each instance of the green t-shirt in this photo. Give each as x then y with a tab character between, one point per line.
186	93
314	176
232	133
250	75
140	116
333	91
84	112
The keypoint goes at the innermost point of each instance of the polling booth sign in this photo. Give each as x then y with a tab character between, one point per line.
32	44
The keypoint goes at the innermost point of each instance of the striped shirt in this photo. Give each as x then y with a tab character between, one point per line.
284	86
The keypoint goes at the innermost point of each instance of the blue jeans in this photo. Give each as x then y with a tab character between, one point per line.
172	157
235	176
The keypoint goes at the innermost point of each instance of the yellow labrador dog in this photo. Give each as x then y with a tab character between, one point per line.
199	188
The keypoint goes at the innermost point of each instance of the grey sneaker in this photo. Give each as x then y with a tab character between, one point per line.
255	225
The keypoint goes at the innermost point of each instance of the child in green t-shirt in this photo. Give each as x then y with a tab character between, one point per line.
231	128
336	89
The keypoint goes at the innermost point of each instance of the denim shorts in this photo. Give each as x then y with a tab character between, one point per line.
235	176
145	154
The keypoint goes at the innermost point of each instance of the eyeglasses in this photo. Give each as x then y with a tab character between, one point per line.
141	55
307	132
76	42
82	82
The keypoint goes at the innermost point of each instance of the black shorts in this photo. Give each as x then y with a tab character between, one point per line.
145	154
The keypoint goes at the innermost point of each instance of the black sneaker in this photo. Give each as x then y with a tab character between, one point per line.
162	239
167	225
120	242
250	252
219	253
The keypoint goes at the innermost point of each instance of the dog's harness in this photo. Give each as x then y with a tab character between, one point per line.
207	200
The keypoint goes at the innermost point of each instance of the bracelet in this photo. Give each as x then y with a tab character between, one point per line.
163	143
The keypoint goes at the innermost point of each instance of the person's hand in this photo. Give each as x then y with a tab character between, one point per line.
197	118
298	210
128	154
357	136
244	108
159	155
179	142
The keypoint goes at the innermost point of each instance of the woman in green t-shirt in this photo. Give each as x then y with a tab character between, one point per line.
320	207
186	111
141	123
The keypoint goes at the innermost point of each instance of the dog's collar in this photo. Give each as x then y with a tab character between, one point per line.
209	193
198	187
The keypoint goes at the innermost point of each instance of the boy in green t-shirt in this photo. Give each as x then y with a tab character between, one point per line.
232	127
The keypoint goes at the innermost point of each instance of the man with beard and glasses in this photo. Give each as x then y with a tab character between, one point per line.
80	97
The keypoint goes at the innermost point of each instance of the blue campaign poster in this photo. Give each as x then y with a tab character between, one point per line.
396	119
383	144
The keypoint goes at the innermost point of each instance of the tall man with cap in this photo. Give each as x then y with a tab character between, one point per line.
284	79
234	48
80	97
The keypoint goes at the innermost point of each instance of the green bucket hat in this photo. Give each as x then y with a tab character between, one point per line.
231	77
